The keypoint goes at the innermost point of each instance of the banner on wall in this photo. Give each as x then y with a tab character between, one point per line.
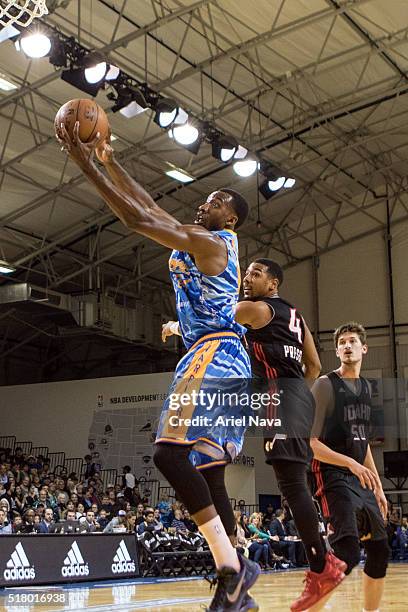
124	423
48	558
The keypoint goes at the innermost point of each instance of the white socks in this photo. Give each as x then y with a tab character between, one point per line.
220	545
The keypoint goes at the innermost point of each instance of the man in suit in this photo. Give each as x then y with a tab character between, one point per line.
48	521
279	534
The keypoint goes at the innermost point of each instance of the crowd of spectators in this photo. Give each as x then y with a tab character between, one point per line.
33	500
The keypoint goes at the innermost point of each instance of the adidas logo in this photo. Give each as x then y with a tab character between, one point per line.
122	563
74	564
18	566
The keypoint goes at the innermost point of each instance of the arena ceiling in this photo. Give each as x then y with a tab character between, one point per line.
317	87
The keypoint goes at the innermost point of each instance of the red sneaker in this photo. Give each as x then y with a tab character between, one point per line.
319	585
338	562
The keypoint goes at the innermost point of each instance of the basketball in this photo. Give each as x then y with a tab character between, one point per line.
92	119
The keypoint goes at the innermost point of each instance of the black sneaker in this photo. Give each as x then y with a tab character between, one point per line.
232	586
249	604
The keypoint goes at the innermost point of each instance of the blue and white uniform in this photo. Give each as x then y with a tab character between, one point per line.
216	362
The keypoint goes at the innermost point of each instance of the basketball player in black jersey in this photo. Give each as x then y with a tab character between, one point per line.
283	355
279	342
347	481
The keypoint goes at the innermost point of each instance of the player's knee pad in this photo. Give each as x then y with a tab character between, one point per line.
348	550
378	553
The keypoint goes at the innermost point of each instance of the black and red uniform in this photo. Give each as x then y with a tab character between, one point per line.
349	509
276	352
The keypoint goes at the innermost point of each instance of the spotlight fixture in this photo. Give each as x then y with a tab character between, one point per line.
290	182
224	148
34	44
266	191
6	268
76	77
188	135
169	112
246	167
129	101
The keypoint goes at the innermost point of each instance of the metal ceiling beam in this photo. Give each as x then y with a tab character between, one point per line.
104	50
254	42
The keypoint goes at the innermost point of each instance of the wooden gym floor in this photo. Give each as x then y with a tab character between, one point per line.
273	591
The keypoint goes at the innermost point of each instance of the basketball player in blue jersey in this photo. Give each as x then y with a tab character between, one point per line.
204	268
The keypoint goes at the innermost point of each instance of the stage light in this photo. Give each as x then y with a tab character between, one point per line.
276	184
76	77
290	182
6	268
241	152
224	148
34	44
245	167
96	73
169	112
185	134
129	101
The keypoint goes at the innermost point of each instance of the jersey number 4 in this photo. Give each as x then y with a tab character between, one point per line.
294	324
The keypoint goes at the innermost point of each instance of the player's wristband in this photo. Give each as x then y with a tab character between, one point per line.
175	328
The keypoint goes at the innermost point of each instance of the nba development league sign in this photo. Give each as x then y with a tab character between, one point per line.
28	560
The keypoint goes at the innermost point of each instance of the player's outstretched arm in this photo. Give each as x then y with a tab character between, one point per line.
140	213
253	314
118	175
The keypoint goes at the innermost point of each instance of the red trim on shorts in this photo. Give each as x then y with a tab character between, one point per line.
271	375
320	484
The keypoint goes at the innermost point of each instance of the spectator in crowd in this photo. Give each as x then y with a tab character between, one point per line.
103	518
3	474
258	550
18	525
80	511
47	521
164	507
20	499
129	482
5	506
177	523
117	524
5	526
148	523
188	521
158	525
107	506
139	514
89	467
29	526
130	522
42	499
36	523
278	533
89	523
268	516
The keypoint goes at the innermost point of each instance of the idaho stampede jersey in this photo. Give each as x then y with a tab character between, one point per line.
206	304
346	427
276	349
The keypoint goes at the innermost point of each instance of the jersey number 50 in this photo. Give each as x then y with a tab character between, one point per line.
294	324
